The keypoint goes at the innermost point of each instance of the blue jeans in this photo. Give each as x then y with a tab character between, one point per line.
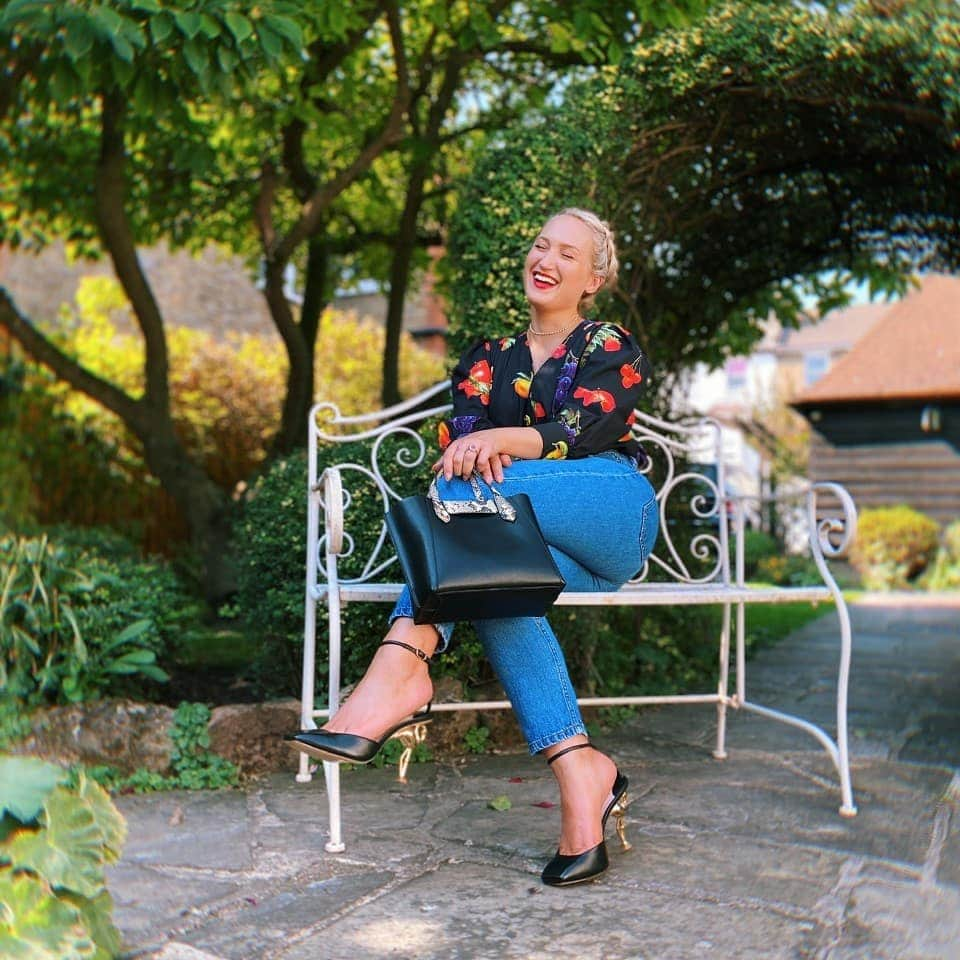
599	517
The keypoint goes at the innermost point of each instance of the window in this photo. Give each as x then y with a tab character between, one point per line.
736	371
814	367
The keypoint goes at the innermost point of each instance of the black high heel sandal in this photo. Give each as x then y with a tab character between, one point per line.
350	748
565	870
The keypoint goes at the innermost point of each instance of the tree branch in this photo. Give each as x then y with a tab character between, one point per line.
66	368
117	235
314	209
263	207
533	48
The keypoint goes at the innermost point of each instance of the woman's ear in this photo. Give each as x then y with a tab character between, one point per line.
596	282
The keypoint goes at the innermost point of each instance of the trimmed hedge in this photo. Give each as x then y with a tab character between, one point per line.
893	546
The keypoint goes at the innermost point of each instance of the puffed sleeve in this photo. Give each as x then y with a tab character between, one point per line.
600	399
471	383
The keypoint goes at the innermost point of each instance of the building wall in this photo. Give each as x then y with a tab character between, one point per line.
925	474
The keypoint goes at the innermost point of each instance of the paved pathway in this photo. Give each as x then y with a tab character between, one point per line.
743	858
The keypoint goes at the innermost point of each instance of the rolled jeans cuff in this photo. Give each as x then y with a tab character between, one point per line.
404	608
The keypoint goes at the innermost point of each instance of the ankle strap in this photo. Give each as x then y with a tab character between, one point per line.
406	646
565	750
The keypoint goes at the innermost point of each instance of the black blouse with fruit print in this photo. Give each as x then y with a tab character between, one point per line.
581	401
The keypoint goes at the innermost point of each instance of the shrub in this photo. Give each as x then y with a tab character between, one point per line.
757	546
58	833
951	541
82	617
944	572
270	545
893	545
789	570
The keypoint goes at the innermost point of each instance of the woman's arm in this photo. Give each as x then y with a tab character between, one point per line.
488	452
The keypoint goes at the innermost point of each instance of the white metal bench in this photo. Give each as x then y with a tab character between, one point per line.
697	572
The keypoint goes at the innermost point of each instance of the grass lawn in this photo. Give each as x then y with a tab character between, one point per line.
767	623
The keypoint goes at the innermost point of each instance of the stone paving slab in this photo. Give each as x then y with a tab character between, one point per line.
465	910
745	857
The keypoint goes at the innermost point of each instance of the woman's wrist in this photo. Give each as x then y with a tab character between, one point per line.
523	442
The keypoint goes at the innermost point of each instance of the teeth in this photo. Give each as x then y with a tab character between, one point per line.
542	278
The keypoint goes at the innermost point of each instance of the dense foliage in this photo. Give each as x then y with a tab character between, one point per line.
768	151
81	616
944	572
57	835
72	461
893	545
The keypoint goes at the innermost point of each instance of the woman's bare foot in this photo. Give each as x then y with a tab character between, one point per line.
586	780
397	684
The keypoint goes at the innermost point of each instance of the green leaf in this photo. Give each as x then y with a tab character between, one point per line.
109	820
79	38
239	26
122	47
209	27
109	21
139	657
36	925
155	673
63	83
196	57
500	803
96	917
188	21
136	629
270	42
286	28
25	783
68	851
227	59
161	26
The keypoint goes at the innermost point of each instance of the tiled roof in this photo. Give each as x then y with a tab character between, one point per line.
838	330
912	352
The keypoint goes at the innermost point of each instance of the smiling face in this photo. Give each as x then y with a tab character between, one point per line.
559	268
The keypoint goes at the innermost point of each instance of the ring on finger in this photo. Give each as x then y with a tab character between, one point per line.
472	448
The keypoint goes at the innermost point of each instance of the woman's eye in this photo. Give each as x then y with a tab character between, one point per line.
569	256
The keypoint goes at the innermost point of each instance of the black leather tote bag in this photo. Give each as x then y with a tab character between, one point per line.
477	559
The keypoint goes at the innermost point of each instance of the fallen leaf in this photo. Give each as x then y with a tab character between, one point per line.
515	780
546	804
176	818
500	803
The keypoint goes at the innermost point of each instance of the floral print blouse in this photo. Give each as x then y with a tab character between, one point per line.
581	401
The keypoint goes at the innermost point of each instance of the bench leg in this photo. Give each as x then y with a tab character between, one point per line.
720	752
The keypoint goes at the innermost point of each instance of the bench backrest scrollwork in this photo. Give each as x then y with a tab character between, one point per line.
685	468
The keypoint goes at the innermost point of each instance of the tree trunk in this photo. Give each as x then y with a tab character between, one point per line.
203	503
399	281
296	403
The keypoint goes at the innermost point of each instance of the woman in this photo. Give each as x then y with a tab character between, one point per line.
546	413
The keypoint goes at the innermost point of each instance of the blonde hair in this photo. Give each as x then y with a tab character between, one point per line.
605	262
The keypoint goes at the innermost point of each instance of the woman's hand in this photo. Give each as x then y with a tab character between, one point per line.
478	452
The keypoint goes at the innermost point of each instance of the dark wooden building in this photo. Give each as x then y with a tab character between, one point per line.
886	417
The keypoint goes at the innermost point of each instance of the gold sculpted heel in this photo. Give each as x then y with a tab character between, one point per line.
409	737
619	812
